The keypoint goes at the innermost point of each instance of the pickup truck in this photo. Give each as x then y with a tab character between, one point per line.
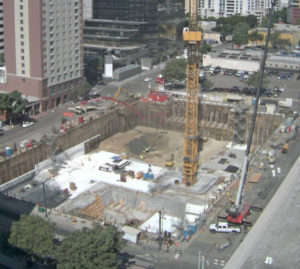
223	227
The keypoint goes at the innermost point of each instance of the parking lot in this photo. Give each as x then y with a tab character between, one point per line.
287	87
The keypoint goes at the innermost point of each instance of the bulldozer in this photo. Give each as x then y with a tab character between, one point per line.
170	162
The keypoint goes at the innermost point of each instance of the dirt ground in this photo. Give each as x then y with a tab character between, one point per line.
161	144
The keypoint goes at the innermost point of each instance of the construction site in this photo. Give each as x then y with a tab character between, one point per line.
124	167
151	165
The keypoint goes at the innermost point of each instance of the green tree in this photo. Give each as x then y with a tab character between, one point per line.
298	21
80	91
252	21
33	235
90	249
240	34
279	15
14	105
205	48
175	70
277	42
255	36
206	84
253	80
8	249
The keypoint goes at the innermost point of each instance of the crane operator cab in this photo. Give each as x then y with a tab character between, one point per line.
191	36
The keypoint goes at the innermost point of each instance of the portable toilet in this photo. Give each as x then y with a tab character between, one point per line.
150	176
8	151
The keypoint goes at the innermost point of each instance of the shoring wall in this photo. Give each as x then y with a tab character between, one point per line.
215	121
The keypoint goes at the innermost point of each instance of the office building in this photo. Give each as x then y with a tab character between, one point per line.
122	25
43	49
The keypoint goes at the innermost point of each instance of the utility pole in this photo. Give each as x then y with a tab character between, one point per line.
159	230
44	192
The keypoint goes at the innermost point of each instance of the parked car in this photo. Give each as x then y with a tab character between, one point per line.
298	77
147	79
27	124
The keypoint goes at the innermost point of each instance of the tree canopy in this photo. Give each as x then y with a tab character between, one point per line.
226	25
12	102
277	42
253	80
33	235
240	33
279	15
80	91
175	70
90	249
255	36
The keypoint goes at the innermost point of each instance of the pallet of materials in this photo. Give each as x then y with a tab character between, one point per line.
255	177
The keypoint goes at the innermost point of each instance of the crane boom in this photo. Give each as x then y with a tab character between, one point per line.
192	36
240	210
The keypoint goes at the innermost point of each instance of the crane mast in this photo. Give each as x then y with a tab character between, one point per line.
192	37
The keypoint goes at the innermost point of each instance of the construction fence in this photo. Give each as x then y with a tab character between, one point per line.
215	121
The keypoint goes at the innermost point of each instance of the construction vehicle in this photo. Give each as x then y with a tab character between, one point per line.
239	211
116	96
170	163
223	227
272	156
78	110
192	36
285	148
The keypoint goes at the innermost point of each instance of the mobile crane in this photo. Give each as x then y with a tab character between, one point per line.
192	36
239	211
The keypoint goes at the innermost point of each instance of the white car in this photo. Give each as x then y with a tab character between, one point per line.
27	123
147	79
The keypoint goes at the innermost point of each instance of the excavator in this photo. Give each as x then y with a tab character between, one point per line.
170	162
116	96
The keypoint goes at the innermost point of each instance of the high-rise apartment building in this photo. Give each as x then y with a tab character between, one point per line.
43	48
293	15
227	8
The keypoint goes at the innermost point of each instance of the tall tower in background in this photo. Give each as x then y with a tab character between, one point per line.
43	49
293	14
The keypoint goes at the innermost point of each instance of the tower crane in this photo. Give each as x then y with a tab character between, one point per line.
192	36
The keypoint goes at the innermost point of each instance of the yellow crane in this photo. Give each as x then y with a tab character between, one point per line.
192	36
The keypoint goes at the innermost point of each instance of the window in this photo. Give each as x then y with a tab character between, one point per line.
21	21
22	50
22	57
21	14
22	43
21	7
23	65
23	72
